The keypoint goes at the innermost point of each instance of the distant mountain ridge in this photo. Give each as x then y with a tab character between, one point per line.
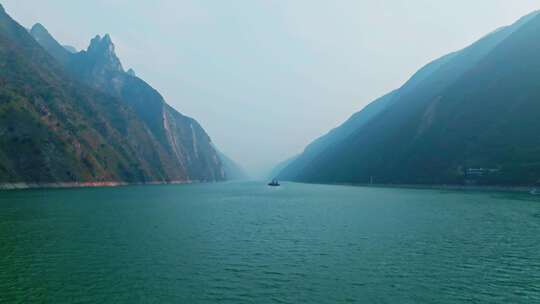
60	127
438	125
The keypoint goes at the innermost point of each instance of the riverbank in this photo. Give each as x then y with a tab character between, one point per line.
60	185
518	189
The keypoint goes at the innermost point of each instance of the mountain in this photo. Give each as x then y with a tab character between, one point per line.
278	169
70	49
42	36
100	68
289	168
459	119
55	129
233	171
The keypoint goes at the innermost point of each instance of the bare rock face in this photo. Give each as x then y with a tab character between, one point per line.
101	53
189	147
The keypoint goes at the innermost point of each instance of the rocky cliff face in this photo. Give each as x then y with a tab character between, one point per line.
183	137
186	142
80	119
56	130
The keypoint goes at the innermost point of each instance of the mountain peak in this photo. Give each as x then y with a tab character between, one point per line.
38	27
100	43
47	41
102	50
70	48
107	39
40	32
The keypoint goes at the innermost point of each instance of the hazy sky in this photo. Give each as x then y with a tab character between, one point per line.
265	78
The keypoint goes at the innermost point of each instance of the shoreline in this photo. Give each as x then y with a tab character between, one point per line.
113	184
69	185
486	188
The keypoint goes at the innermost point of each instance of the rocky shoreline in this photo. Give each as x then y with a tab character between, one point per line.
60	185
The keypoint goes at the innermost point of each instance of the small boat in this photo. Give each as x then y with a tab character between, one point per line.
535	191
274	183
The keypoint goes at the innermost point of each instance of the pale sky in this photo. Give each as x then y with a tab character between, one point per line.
265	78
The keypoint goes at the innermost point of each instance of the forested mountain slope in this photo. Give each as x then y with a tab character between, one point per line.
473	109
57	128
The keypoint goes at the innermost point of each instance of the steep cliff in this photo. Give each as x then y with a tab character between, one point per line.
59	127
467	117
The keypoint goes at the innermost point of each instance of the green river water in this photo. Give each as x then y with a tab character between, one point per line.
248	243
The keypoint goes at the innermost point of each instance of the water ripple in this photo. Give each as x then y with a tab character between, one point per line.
241	243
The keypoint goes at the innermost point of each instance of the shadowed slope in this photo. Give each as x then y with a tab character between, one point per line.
464	111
